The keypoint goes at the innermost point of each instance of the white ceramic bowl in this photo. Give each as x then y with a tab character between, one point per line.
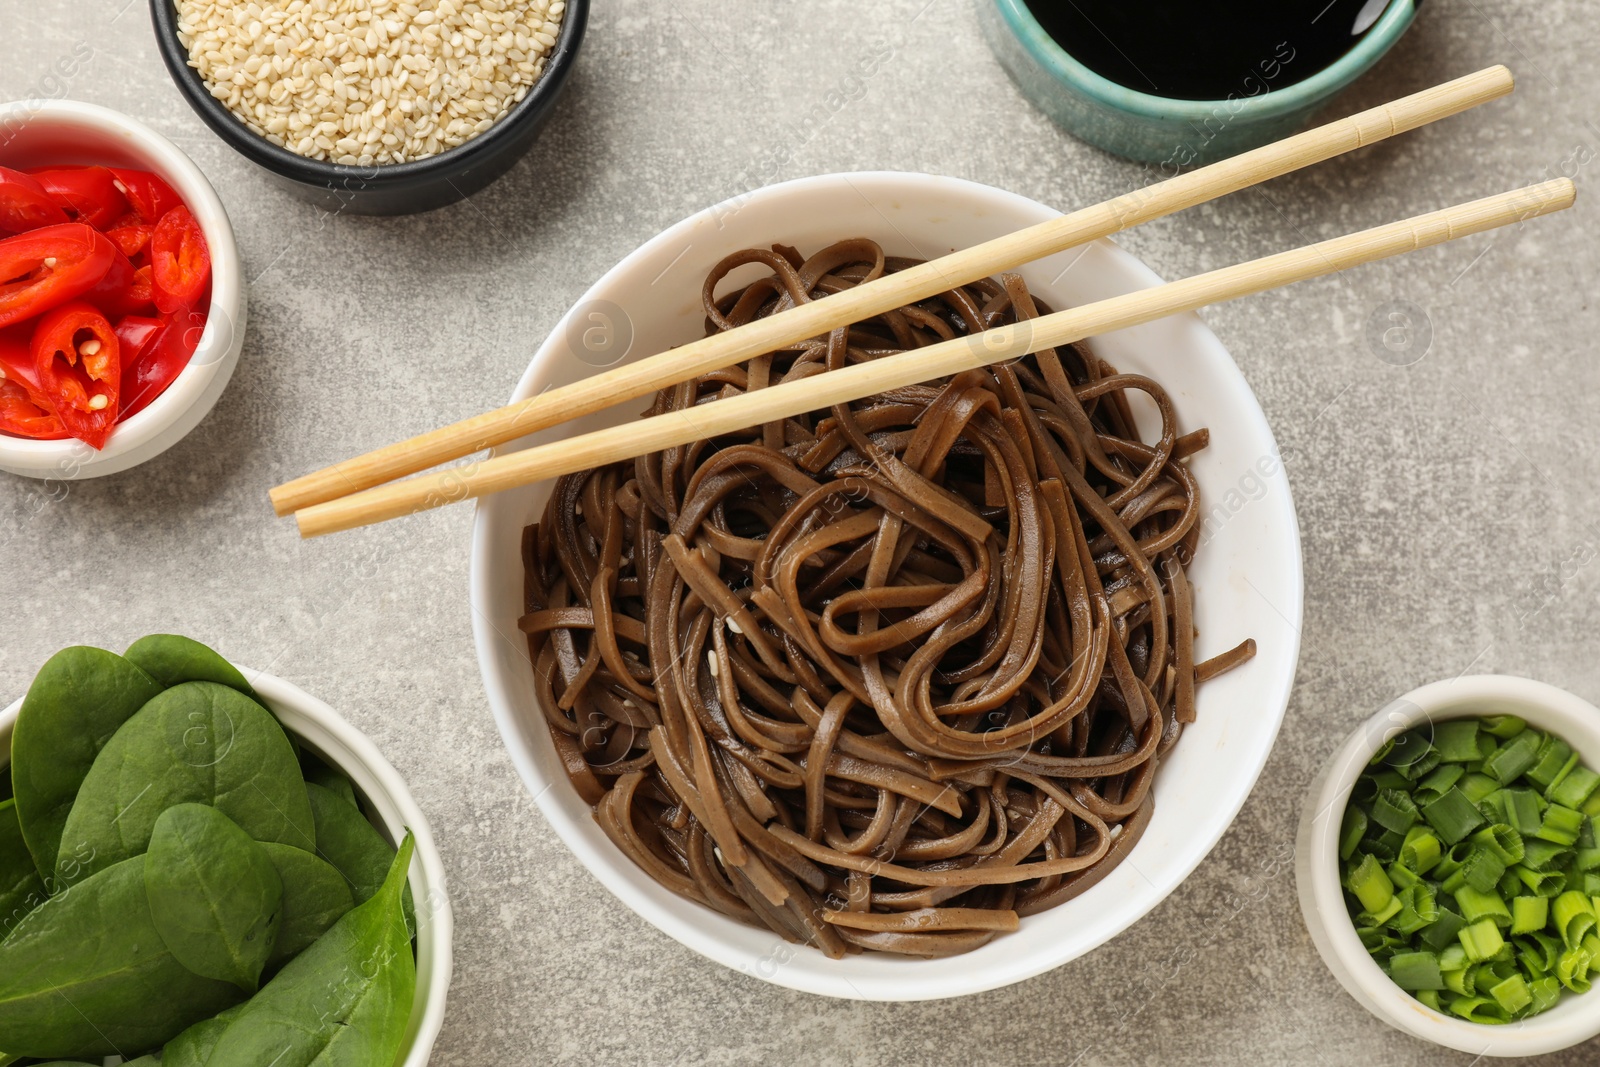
340	745
1574	720
1247	576
37	133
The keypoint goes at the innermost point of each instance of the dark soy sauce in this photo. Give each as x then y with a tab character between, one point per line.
1207	49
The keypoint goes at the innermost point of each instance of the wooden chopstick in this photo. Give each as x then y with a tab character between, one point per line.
646	376
945	358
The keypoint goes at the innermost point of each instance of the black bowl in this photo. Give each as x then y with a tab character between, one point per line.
396	188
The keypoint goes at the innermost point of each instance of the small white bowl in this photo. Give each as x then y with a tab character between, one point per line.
1247	575
321	730
1575	1018
38	133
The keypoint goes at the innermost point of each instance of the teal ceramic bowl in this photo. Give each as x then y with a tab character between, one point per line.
1160	130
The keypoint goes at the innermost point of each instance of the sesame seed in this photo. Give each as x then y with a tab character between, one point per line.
374	81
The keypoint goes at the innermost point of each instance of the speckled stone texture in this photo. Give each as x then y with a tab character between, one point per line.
1447	505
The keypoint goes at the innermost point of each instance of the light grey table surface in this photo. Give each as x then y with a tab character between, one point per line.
1448	507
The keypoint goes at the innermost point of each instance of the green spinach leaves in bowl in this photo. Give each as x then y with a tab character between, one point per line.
176	875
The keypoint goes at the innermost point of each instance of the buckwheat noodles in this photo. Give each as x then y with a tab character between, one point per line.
885	677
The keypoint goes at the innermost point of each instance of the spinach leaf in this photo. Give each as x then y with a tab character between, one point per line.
352	844
76	703
21	889
344	1002
172	660
315	896
193	1047
214	895
87	974
198	742
319	773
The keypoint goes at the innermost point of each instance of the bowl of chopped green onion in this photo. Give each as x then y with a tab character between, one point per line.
1448	865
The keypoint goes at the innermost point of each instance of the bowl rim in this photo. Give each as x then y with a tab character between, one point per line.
223	336
1065	68
340	176
507	713
1322	905
433	906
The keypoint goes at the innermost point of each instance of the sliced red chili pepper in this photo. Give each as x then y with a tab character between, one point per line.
24	205
130	233
180	260
161	348
19	415
89	194
149	194
47	267
78	358
16	362
124	290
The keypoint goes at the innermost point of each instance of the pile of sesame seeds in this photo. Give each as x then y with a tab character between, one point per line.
366	82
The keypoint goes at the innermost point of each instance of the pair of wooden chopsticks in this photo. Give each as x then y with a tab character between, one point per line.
353	493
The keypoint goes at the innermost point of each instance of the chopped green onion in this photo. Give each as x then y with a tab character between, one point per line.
1542	855
1453	816
1394	811
1419	908
1574	916
1511	994
1529	914
1481	940
1541	883
1382	916
1476	905
1409	748
1422	768
1522	810
1472	867
1416	970
1456	741
1452	860
1482	872
1421	851
1479	1010
1560	826
1441	778
1502	840
1572	968
1551	762
1390	779
1493	807
1476	786
1503	726
1512	759
1545	993
1442	933
1351	830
